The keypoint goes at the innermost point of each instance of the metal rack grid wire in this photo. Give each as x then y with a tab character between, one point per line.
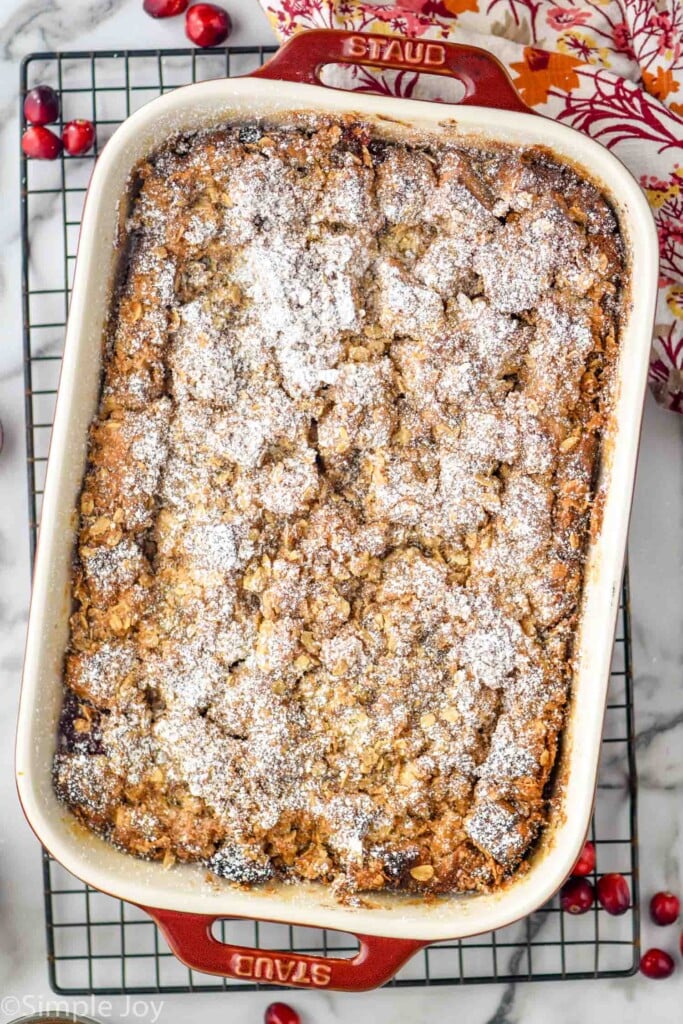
99	945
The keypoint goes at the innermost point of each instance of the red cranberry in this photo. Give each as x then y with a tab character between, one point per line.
613	894
41	105
664	908
655	963
577	896
40	143
78	136
585	865
165	8
281	1013
207	24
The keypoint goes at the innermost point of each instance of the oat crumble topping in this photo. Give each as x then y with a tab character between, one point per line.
336	506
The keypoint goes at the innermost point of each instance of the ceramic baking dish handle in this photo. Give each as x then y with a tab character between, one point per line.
485	80
191	938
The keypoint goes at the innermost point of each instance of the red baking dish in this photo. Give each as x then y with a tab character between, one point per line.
182	902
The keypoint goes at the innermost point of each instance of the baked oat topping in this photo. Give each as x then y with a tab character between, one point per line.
336	506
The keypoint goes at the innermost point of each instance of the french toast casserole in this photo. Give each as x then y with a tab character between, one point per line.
337	502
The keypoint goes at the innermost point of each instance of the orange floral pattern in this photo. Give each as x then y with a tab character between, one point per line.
660	84
610	68
460	6
541	71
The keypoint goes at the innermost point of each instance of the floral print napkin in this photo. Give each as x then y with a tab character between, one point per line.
611	68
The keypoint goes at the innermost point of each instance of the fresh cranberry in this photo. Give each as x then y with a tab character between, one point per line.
664	908
577	896
165	8
40	143
281	1013
207	24
613	894
655	963
585	865
78	136
41	105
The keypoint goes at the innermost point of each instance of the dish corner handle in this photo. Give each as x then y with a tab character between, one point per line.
191	939
485	80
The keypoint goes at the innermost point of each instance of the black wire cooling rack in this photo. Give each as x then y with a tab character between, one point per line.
98	945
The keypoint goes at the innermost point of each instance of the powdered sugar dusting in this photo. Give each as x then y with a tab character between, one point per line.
303	325
335	510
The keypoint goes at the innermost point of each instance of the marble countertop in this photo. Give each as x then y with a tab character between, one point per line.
656	556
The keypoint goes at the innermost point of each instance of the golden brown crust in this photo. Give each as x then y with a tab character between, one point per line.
336	506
